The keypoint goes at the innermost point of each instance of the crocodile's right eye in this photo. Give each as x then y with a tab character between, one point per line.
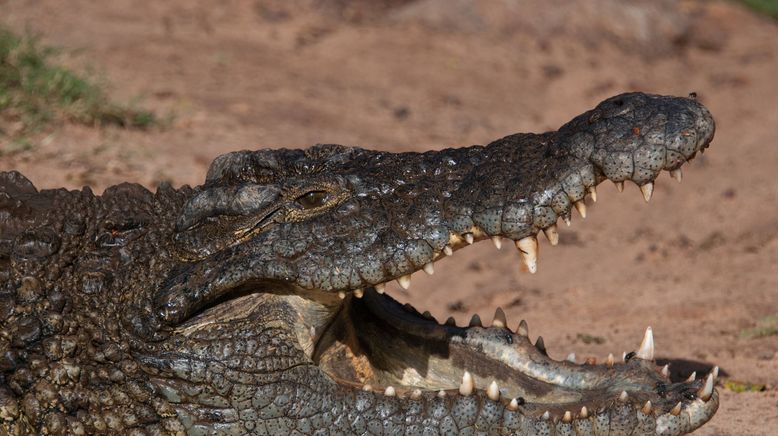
313	199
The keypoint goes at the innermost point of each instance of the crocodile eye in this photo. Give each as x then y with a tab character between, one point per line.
313	199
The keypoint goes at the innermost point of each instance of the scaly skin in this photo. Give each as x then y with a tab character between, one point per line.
254	303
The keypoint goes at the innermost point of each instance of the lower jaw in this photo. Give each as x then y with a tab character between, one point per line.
374	343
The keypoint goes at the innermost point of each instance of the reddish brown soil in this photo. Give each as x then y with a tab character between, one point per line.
698	264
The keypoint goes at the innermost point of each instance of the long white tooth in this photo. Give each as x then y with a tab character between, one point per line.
390	392
568	417
706	390
715	372
415	394
359	293
676	409
380	288
666	370
523	328
692	377
469	238
623	396
404	281
429	268
647	190
611	360
475	321
677	174
493	391
619	186
571	357
584	413
646	351
546	415
497	241
552	234
448	251
580	206
528	251
468	384
646	408
593	193
623	356
513	405
499	320
341	295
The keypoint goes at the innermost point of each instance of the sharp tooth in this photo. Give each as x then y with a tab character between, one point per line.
475	321
451	321
692	377
468	384
447	250
676	409
567	220
513	405
623	397
666	370
499	318
404	281
493	391
610	360
623	356
390	392
497	241
546	415
469	238
523	329
647	190
646	351
341	295
571	357
568	417
715	372
415	394
619	186
380	288
552	234
646	408
706	390
584	412
359	293
580	206
593	193
528	251
677	174
428	268
367	388
541	346
441	394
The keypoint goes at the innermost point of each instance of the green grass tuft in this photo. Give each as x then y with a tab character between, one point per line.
767	326
764	7
34	93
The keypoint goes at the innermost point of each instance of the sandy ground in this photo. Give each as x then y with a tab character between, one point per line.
698	264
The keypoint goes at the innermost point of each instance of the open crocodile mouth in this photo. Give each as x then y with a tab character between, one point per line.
364	341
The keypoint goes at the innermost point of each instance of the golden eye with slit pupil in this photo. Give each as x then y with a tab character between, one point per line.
312	199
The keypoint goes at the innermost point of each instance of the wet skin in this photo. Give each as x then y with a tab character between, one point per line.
254	303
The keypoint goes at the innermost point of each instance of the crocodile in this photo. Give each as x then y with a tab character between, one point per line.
256	303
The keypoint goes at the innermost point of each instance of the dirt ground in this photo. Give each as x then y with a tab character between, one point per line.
699	263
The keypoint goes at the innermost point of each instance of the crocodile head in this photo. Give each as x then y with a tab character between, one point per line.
316	234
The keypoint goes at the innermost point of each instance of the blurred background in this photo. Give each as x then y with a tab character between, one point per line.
97	93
